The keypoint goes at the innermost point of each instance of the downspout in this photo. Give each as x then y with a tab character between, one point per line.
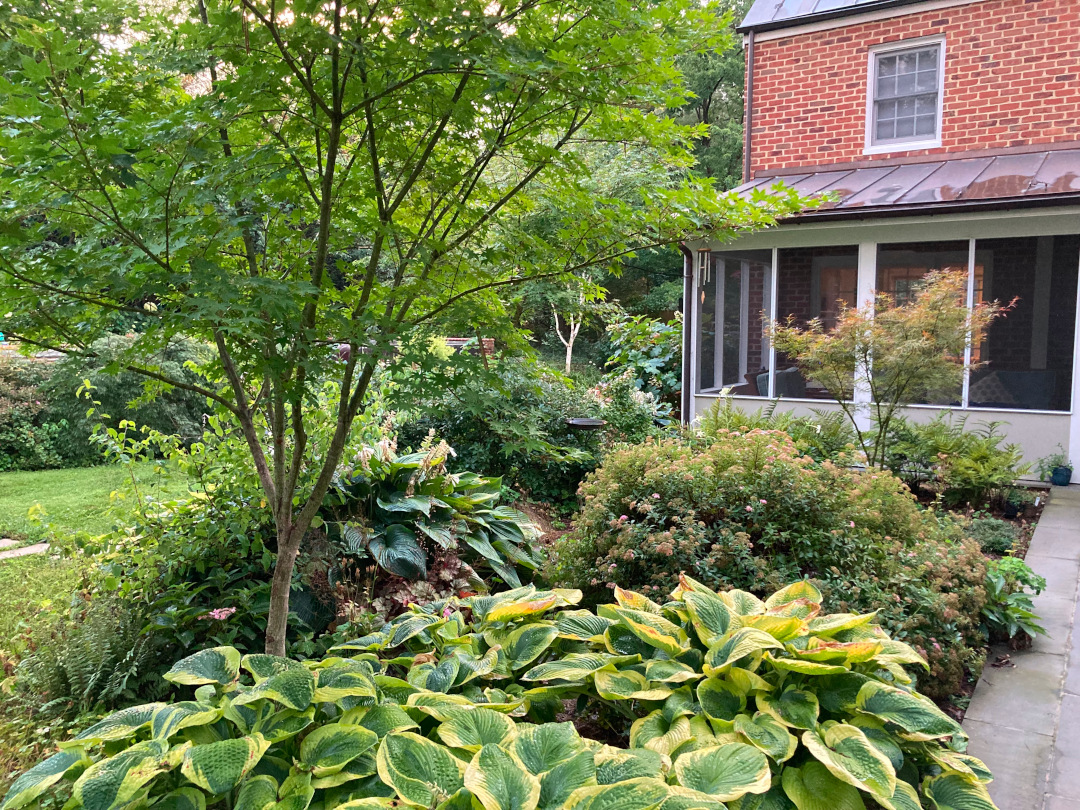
688	326
749	115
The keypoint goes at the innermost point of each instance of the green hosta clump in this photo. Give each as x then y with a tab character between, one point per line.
781	704
730	702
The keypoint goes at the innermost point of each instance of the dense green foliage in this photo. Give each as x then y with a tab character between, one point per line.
512	423
993	536
751	511
947	457
650	352
1009	612
29	438
823	436
725	699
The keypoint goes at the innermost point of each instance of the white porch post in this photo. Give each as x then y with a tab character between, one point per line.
1074	412
774	280
867	282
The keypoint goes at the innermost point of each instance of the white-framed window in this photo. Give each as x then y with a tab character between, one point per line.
905	91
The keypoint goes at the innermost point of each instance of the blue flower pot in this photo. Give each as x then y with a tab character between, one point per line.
1060	476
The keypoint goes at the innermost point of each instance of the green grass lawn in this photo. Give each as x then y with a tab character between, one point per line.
30	583
73	500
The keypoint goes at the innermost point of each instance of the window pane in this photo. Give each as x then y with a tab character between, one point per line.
1028	354
886	130
811	283
887	66
905	127
733	347
907	83
900	272
906	89
924	125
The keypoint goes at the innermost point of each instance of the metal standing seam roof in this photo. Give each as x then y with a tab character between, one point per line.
765	14
1029	177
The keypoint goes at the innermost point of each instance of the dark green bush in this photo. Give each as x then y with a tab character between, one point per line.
752	512
993	536
29	438
946	457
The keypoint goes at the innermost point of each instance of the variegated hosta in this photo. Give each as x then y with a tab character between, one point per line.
757	703
729	701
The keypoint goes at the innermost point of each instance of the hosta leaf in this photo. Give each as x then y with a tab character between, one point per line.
581	625
627	685
395	689
838	693
792	707
657	733
182	799
575	666
836	622
680	798
508	611
41	777
372	641
805	667
257	793
781	628
636	601
904	797
435	677
951	791
897	652
359	768
742	603
376	803
441	707
803	589
709	614
621	640
619	764
293	688
471	666
500	782
384	718
216	665
472	729
525	644
557	784
329	748
735	646
120	725
775	799
720	699
812	787
419	770
851	758
219	766
113	782
397	551
634	794
655	631
347	679
668	671
171	718
541	748
847	652
263	666
884	741
747	681
801	608
765	732
913	713
400	502
724	772
689	585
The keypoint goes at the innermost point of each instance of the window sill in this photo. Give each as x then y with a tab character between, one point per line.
901	146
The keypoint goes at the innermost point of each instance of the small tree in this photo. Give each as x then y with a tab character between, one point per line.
897	354
311	188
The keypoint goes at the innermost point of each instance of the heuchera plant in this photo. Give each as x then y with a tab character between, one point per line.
730	701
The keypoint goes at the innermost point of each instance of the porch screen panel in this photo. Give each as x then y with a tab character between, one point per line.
1027	356
812	283
901	270
734	295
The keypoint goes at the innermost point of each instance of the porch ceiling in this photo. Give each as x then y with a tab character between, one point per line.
988	181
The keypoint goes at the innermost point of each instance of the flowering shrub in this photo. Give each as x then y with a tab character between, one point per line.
751	512
651	351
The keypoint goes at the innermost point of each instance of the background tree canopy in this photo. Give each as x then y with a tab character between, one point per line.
309	186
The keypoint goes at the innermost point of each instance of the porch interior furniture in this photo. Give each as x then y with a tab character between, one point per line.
789	383
1030	390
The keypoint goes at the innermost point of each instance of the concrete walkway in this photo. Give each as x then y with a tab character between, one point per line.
1024	720
24	551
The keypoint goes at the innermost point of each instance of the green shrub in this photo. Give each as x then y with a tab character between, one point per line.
1009	612
29	440
946	458
752	512
511	422
993	536
650	351
726	699
826	435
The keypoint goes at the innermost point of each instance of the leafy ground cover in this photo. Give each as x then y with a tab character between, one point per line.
28	584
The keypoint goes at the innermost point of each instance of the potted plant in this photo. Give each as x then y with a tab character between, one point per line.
1057	467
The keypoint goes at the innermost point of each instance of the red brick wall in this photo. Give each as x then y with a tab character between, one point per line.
1012	78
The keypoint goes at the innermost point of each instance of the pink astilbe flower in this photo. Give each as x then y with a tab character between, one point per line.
219	614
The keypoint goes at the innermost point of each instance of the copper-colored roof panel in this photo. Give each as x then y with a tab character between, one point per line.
946	182
1006	176
891	187
1059	174
850	183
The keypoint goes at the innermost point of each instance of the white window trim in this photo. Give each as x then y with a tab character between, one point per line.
869	147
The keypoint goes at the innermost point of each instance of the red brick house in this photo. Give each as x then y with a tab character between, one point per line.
949	133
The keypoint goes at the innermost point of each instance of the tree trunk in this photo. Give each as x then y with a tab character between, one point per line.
277	622
570	350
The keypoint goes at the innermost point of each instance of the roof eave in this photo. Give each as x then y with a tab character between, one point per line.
808	19
930	209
